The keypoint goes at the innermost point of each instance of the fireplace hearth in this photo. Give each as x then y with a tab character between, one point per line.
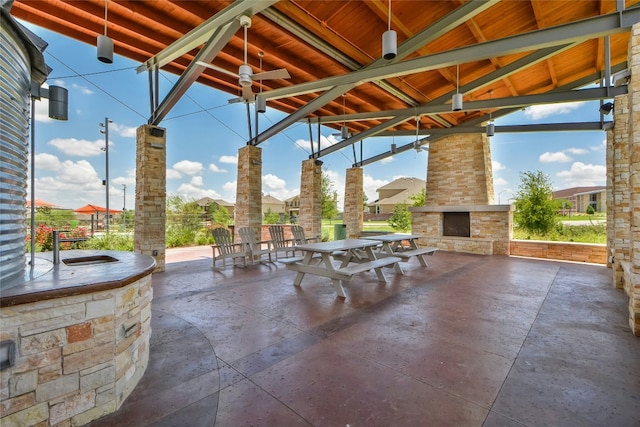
456	224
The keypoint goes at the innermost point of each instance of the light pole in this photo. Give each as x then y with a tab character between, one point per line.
124	205
499	196
105	131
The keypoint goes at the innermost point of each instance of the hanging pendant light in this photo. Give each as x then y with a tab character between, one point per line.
456	101
105	44
491	128
389	40
344	130
416	143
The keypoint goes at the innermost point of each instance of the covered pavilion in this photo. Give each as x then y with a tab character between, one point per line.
497	55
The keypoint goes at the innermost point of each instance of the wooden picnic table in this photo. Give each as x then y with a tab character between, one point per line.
351	261
392	246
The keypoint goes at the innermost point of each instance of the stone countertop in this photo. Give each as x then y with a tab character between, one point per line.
93	271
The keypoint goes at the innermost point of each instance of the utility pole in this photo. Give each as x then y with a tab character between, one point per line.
124	205
105	131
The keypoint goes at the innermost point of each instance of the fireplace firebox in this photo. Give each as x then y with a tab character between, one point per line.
456	224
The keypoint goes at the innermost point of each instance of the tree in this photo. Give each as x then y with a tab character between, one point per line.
221	216
271	217
535	208
590	210
401	218
419	199
329	198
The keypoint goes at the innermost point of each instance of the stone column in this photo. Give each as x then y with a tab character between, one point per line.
311	198
459	171
632	283
151	193
353	202
248	210
618	213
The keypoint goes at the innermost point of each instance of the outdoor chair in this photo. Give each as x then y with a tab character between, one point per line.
225	248
299	238
253	244
280	244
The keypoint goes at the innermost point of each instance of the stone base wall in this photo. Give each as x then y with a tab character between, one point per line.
565	251
491	228
77	358
631	286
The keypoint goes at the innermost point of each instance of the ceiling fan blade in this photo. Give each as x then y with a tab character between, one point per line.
215	67
272	75
247	93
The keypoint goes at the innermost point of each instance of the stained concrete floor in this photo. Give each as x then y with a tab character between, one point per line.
469	341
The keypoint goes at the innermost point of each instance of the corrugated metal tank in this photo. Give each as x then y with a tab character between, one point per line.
17	56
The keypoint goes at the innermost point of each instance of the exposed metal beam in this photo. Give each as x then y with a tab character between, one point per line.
217	42
572	32
202	32
461	14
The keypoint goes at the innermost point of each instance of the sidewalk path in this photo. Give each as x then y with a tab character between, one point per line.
187	253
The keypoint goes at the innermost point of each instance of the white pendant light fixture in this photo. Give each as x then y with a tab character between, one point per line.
105	44
416	143
491	128
456	101
389	40
344	130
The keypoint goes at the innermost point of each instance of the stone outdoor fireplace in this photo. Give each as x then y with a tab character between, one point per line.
459	214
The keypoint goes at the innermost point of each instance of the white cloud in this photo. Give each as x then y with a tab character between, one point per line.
230	186
122	130
370	185
387	160
497	166
500	181
325	141
173	174
83	89
78	147
190	191
581	175
272	182
229	159
537	112
45	161
601	147
576	151
197	181
215	169
557	157
188	167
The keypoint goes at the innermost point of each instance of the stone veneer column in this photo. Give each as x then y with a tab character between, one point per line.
248	210
632	274
618	213
459	171
353	202
151	193
311	198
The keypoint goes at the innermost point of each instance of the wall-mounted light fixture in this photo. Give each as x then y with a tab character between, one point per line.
157	132
606	108
456	100
318	162
256	162
389	40
105	44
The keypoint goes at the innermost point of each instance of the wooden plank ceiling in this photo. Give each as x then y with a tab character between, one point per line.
352	32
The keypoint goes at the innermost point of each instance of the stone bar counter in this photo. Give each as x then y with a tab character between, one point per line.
74	340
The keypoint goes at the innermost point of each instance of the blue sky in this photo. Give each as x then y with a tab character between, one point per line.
204	133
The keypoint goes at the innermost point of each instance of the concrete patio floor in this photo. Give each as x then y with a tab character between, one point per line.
469	341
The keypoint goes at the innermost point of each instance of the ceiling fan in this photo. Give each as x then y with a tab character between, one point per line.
245	74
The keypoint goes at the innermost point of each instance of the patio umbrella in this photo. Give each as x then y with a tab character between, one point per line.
93	209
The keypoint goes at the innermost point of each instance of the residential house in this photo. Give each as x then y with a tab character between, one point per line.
206	202
292	206
396	192
581	197
270	203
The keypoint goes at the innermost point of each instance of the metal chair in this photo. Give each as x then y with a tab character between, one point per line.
226	248
253	245
280	244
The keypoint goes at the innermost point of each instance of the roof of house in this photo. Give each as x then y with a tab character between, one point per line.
205	201
403	183
270	200
574	191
